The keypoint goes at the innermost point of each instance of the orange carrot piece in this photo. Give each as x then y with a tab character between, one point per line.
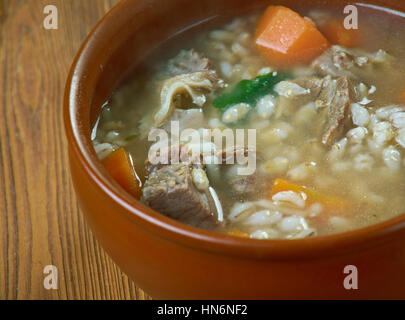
119	165
238	233
285	38
336	33
329	203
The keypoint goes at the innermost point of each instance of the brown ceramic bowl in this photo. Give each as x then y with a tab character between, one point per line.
171	260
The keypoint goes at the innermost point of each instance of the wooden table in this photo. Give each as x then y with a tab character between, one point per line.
40	222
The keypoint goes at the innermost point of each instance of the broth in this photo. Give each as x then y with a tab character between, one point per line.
301	187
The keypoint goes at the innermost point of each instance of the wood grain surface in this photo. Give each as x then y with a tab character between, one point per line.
40	222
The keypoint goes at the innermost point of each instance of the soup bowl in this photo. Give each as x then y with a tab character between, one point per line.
175	261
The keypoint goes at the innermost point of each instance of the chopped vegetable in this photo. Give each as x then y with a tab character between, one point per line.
249	91
285	38
119	165
238	233
131	137
329	203
336	33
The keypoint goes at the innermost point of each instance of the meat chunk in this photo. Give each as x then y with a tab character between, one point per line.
193	86
186	81
339	61
313	84
188	61
240	184
332	99
336	98
170	190
244	185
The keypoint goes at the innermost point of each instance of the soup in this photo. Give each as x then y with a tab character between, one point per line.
277	124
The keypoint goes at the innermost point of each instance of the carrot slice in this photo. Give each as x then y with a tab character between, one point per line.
119	165
336	33
238	233
329	203
285	38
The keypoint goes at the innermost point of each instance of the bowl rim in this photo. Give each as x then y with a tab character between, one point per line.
80	146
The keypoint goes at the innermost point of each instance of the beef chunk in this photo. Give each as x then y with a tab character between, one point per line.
339	61
314	84
244	185
240	185
336	61
336	98
332	99
170	190
188	61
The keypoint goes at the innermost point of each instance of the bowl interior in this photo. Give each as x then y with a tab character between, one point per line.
127	35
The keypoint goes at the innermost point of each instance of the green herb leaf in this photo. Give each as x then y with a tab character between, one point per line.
131	137
249	91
